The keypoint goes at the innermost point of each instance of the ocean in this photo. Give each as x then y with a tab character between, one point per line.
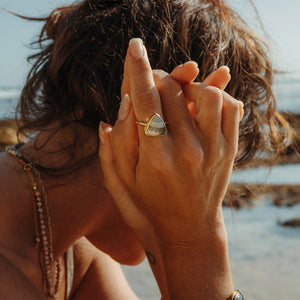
287	91
265	257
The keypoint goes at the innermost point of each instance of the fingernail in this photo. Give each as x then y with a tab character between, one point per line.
241	110
177	68
136	48
124	108
191	62
227	68
101	133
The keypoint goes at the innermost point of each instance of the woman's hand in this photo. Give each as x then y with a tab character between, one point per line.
186	172
184	74
179	180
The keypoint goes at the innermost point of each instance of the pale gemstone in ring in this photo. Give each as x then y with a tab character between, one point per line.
155	126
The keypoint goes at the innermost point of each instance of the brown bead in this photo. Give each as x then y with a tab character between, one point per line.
38	194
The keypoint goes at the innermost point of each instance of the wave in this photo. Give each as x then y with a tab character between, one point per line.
9	93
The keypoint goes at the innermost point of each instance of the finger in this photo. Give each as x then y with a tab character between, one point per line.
231	116
219	78
112	180
191	91
125	88
185	73
124	141
180	122
208	102
106	156
143	93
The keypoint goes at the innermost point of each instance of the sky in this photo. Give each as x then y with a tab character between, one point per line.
281	21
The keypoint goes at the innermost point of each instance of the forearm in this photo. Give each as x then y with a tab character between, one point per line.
197	268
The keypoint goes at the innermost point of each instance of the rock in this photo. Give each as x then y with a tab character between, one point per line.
291	223
241	195
8	133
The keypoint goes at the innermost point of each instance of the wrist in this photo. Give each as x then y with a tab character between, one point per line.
198	267
192	234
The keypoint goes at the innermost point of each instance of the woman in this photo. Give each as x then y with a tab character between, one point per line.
67	220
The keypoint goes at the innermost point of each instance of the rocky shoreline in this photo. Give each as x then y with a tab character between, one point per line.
247	195
241	195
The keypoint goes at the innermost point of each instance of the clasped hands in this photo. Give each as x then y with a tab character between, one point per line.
173	184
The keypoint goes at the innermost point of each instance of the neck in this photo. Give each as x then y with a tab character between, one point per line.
73	198
78	202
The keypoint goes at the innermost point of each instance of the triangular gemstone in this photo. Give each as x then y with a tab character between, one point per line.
155	126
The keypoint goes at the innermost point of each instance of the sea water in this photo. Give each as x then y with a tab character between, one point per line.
9	97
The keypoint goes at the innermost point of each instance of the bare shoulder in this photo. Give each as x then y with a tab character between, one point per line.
14	284
97	275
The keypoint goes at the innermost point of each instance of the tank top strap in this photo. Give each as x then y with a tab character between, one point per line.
69	261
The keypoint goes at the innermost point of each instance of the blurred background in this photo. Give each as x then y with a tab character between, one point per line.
264	226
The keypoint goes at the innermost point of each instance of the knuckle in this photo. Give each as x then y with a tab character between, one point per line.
159	75
168	85
234	105
158	160
214	157
147	99
161	165
213	96
213	91
190	156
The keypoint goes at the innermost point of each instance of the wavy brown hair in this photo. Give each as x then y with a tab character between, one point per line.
77	73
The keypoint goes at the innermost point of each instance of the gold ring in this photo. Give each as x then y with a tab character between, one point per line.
155	126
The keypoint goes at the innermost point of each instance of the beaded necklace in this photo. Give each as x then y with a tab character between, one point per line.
51	268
